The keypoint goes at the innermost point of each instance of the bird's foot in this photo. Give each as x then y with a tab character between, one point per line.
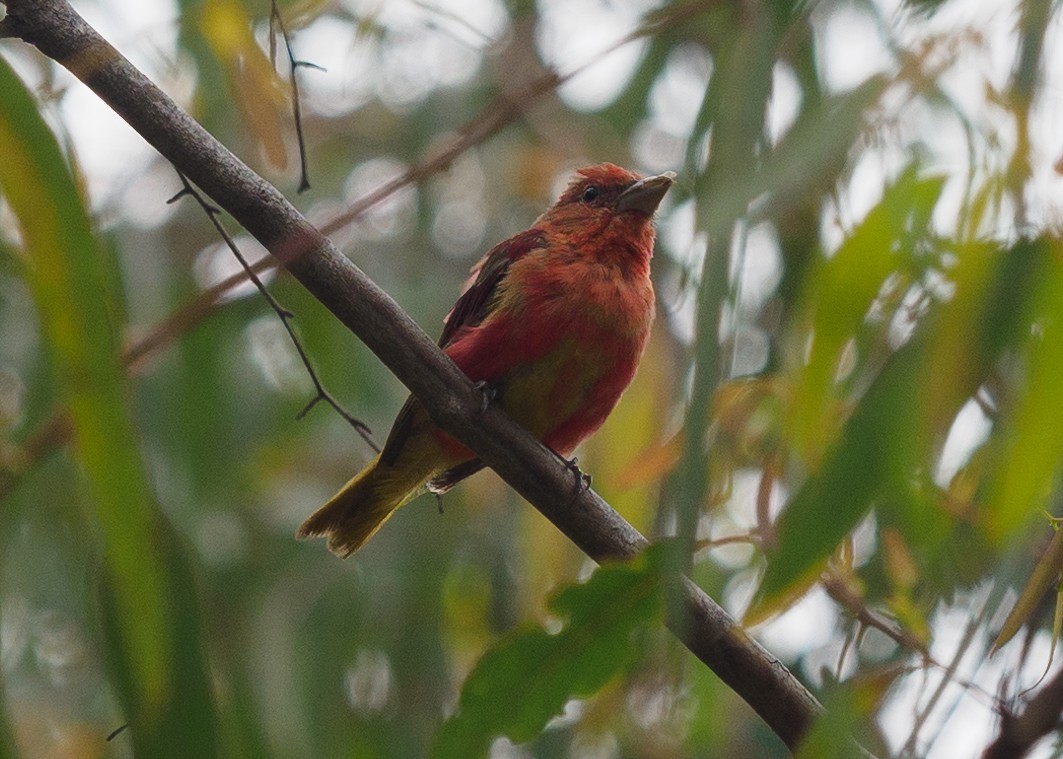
439	501
583	480
488	394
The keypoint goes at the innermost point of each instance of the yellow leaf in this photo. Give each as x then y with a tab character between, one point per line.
259	93
1045	575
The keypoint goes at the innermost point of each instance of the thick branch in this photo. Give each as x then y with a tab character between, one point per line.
704	627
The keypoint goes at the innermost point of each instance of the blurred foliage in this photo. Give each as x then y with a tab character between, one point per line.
852	378
550	667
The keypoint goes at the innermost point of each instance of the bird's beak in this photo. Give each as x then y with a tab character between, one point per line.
645	194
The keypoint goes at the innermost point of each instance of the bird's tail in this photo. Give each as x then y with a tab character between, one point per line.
354	514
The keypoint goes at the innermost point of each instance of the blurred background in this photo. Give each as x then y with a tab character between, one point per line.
849	401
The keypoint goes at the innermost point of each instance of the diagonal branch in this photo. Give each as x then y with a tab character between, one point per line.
452	400
502	111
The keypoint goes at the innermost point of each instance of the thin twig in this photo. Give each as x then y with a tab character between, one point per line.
185	317
844	596
276	21
948	676
283	314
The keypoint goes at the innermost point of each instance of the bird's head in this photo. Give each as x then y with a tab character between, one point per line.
608	207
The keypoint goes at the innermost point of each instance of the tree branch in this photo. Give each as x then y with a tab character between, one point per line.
455	405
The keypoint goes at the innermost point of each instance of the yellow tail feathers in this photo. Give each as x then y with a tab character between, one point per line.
354	514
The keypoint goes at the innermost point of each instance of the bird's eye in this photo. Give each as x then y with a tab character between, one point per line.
590	194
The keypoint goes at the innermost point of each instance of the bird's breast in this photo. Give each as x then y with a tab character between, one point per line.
577	295
577	331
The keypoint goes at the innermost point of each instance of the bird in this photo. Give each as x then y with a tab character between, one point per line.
551	326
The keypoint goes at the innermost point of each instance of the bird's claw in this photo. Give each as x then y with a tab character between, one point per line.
439	501
583	479
488	393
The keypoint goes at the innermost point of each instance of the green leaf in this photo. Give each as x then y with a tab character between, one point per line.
530	674
1045	575
844	288
1029	465
908	406
189	725
67	274
64	276
872	454
7	740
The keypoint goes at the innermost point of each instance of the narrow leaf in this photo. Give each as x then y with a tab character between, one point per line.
256	89
844	287
890	434
1033	449
1045	576
869	457
67	274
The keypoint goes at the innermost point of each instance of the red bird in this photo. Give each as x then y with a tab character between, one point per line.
554	323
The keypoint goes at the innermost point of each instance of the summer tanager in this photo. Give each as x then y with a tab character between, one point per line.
553	325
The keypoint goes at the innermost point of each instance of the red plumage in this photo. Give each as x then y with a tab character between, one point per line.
554	321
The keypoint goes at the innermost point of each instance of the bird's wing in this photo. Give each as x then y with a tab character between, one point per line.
471	309
475	301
